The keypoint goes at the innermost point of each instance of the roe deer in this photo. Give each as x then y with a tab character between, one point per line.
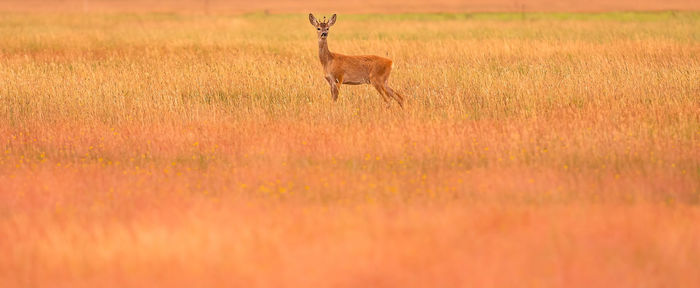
353	70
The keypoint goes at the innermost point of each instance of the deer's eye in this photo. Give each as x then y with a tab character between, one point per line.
319	29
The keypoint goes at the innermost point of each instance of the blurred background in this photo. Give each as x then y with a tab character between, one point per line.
347	6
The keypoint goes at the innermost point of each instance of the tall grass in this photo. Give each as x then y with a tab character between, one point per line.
167	149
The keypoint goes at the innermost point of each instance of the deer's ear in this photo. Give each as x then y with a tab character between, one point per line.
313	20
332	21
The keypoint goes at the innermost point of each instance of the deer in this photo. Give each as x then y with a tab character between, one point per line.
353	70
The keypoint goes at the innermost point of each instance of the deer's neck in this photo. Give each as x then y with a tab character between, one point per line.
323	53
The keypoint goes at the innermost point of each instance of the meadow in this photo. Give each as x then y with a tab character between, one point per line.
534	149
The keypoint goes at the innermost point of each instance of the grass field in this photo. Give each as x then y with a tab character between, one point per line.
344	7
536	149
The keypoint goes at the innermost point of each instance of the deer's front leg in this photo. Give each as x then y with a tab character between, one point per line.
334	87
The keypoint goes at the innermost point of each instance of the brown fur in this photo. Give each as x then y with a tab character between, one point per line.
353	70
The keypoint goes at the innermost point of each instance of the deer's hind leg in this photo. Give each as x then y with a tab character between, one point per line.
383	93
378	84
396	95
385	82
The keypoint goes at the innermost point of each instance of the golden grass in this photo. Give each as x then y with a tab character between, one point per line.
184	150
354	6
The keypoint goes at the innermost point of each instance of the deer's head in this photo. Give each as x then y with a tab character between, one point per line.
322	27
